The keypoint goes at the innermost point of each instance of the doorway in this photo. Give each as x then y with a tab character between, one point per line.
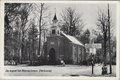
52	56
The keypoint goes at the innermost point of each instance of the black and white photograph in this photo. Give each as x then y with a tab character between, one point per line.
66	39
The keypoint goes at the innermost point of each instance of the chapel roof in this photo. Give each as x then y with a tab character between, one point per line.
72	39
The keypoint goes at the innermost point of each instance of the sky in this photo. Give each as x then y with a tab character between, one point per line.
89	11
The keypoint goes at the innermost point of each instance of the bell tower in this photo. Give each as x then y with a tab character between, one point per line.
55	30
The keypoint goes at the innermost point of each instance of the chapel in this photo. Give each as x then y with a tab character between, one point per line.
63	46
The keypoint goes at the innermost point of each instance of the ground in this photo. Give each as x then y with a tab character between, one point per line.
58	70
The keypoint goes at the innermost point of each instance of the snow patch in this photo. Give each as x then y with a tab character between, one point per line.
72	39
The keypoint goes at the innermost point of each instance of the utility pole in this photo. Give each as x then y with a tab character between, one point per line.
92	53
109	39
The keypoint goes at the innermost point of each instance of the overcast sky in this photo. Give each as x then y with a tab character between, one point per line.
88	11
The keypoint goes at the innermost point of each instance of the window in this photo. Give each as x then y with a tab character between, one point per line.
53	31
58	32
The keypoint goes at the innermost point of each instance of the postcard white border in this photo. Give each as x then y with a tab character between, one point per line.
64	78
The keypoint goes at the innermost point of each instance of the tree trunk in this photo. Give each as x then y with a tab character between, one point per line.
105	37
33	57
40	20
22	48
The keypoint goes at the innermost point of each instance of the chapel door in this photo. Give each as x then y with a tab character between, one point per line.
52	58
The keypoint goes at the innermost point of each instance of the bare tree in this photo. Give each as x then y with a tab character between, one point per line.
16	17
24	14
72	21
41	16
104	23
18	23
11	10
